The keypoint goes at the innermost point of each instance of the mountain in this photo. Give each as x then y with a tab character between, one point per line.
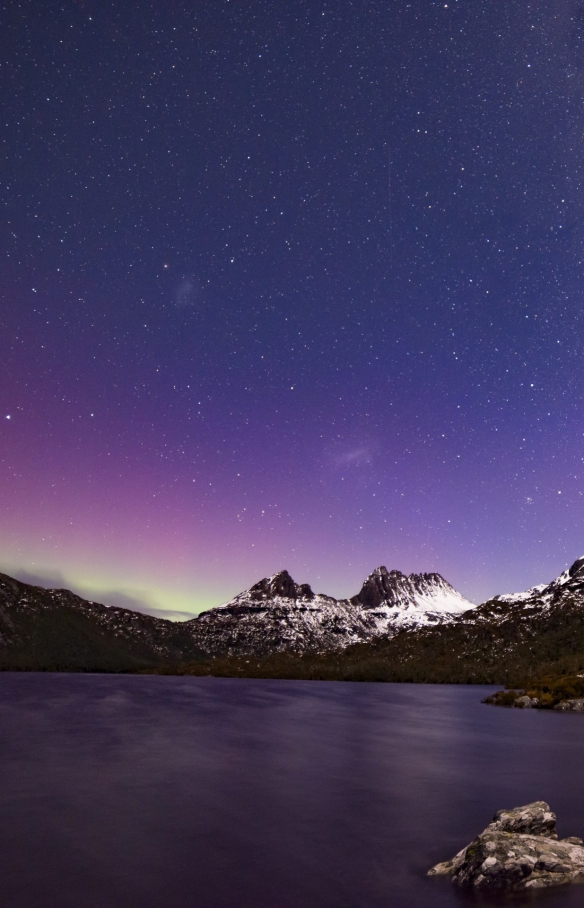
279	615
513	639
55	630
397	628
404	602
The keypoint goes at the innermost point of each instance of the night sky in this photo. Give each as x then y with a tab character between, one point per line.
290	285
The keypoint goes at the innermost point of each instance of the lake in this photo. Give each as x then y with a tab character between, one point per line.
167	792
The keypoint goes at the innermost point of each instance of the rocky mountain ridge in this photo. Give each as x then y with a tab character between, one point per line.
515	643
55	629
446	636
278	615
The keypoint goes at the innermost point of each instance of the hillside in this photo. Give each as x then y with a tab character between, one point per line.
499	642
279	629
55	630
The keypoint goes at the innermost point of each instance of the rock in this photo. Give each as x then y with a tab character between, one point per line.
518	850
533	819
526	702
576	705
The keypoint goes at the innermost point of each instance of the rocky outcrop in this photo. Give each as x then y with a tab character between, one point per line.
519	850
526	702
576	705
547	695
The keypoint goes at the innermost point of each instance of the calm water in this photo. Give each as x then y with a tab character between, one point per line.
146	792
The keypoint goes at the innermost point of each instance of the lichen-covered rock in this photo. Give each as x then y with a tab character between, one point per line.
533	819
518	850
526	702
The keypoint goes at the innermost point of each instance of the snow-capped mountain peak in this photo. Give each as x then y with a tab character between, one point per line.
279	585
277	614
416	591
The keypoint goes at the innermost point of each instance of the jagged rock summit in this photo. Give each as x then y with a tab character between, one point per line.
519	850
276	614
279	586
427	593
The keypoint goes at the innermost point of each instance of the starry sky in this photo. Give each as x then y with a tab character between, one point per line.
290	285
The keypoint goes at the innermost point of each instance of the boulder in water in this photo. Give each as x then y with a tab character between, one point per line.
519	850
